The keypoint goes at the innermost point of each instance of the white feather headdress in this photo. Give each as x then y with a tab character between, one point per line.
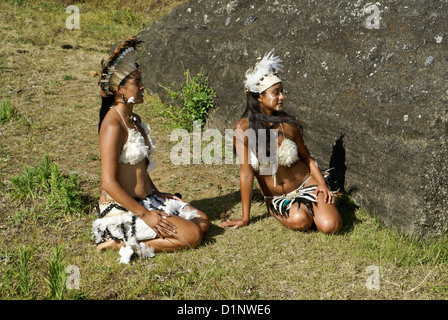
264	74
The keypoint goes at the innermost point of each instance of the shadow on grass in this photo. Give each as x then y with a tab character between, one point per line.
90	204
215	208
347	209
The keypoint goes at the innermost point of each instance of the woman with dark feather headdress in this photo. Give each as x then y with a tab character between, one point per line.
293	186
134	216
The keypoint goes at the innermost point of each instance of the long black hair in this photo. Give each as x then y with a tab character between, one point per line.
106	104
257	120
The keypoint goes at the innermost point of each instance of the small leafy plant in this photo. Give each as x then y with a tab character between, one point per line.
18	271
57	277
25	283
192	102
45	181
6	112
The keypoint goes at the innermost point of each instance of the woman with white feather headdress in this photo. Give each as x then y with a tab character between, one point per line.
293	186
134	216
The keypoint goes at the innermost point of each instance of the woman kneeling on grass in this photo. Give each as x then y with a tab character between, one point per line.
293	186
134	216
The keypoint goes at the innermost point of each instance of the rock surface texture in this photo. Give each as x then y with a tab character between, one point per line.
367	81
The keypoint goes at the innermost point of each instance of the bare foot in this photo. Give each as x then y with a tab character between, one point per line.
110	244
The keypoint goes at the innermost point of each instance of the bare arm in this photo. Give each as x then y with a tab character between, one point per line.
246	185
246	181
305	155
112	138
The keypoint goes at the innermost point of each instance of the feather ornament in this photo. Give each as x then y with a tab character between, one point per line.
287	153
112	65
263	73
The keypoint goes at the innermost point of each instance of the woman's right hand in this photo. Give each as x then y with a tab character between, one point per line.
234	223
157	220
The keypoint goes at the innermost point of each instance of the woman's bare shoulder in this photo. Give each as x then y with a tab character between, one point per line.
242	124
290	129
111	126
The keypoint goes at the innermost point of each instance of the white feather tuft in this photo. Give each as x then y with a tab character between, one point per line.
266	66
131	100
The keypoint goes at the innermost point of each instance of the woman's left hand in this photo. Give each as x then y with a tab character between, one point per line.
326	191
165	196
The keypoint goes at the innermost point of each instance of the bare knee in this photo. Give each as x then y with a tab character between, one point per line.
202	221
330	226
192	237
300	220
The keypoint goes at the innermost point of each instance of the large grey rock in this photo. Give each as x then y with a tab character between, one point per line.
378	94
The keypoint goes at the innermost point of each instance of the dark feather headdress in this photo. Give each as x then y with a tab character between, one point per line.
120	64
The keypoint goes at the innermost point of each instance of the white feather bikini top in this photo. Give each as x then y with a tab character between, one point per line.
287	155
135	149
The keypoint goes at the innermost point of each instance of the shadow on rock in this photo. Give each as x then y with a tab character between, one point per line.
345	204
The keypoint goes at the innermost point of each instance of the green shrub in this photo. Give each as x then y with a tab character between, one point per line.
24	187
192	102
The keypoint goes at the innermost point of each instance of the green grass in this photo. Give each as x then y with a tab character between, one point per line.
61	193
24	272
7	113
56	276
100	20
46	203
